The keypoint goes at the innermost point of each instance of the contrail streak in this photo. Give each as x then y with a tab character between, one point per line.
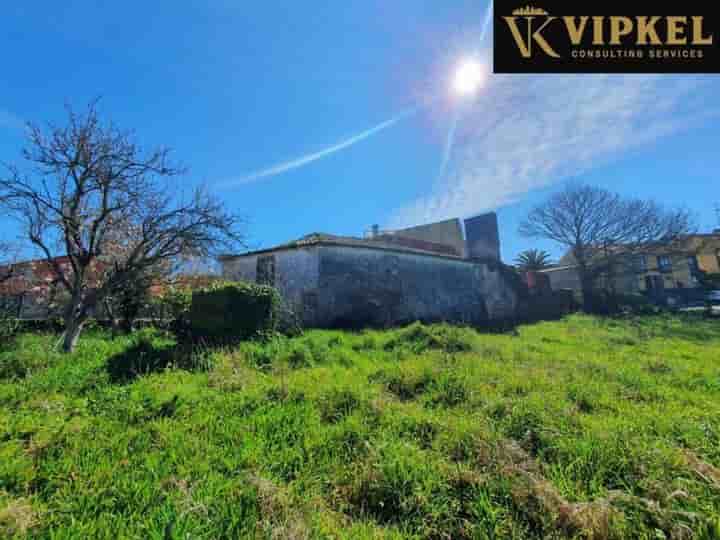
309	158
486	22
449	142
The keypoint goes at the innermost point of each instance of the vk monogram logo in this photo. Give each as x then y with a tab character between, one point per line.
606	36
523	25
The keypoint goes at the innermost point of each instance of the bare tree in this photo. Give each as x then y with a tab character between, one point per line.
603	231
91	194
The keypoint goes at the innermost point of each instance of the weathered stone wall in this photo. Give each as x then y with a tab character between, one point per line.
360	286
296	277
240	268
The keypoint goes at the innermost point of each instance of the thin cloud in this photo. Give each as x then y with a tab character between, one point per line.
309	158
527	132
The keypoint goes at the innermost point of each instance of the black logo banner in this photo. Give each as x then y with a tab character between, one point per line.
638	36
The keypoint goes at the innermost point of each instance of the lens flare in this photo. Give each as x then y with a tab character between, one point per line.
469	77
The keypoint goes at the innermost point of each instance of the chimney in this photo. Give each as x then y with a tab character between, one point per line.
482	238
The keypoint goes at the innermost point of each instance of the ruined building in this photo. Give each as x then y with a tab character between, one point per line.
437	272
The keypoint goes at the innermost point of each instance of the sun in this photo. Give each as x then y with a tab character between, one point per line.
469	77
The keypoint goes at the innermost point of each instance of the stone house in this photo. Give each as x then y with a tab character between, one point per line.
446	271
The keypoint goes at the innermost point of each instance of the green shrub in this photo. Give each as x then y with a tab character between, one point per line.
636	303
173	309
227	311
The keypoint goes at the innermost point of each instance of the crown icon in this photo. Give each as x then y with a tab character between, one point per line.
529	10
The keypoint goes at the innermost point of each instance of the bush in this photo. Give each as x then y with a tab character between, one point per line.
8	329
227	311
173	308
636	303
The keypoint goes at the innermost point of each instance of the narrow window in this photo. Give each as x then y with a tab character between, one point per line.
664	263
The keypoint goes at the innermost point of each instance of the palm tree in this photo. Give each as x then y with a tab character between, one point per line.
532	260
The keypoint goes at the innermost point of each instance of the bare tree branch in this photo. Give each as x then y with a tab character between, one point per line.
91	194
602	231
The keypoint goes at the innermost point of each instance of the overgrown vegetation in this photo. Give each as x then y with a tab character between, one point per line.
227	311
582	428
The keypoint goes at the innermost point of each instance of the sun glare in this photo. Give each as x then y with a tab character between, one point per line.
469	77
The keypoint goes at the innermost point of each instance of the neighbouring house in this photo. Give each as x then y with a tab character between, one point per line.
446	271
666	274
30	289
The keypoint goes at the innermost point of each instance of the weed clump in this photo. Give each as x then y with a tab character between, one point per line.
26	354
404	384
337	404
585	398
449	390
419	338
419	431
280	518
17	517
396	484
367	342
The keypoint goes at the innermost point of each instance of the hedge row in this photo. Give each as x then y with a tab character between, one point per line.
228	311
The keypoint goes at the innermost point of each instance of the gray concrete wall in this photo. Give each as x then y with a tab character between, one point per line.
360	286
447	232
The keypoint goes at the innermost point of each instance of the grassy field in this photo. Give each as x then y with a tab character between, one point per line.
587	428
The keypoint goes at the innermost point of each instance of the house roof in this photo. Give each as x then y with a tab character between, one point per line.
383	242
557	268
690	243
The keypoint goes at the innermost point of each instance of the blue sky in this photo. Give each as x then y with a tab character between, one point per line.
236	87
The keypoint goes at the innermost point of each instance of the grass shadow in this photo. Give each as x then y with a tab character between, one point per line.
146	357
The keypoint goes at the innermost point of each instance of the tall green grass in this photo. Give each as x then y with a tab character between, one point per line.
582	428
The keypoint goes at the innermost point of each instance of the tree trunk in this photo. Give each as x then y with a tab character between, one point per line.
73	328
